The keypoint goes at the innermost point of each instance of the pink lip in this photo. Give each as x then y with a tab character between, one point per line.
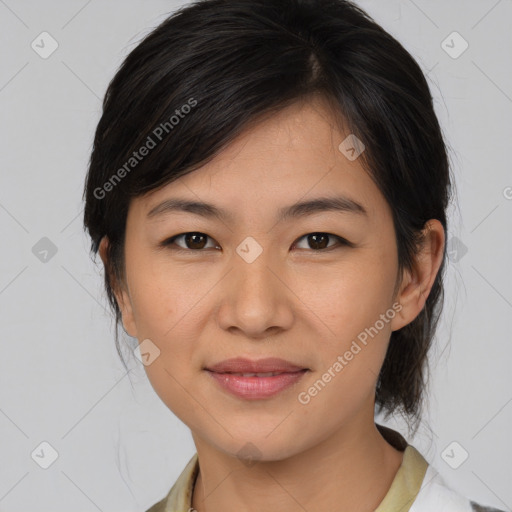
255	388
242	365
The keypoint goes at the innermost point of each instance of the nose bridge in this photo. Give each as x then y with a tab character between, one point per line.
251	262
254	286
254	299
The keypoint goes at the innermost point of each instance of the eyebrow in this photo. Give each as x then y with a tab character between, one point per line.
340	204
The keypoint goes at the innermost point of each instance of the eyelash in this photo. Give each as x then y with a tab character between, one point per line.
169	243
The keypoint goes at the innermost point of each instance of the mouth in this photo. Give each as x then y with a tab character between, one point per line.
255	380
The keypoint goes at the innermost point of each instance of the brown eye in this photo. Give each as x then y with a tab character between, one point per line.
320	241
193	241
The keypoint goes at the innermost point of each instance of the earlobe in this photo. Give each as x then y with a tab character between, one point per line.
418	281
121	294
102	250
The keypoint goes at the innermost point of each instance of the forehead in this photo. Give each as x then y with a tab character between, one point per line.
290	156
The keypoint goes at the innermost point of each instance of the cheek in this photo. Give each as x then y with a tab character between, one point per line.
355	313
158	300
173	389
350	296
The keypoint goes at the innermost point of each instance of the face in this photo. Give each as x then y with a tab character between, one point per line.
312	287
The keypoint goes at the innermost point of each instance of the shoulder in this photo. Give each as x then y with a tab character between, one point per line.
435	494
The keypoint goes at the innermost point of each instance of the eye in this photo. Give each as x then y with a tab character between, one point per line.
193	240
319	241
197	241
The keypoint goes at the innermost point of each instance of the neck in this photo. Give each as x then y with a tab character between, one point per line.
354	468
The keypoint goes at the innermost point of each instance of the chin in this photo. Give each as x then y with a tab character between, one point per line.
250	448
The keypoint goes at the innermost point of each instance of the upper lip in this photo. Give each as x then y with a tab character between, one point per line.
242	365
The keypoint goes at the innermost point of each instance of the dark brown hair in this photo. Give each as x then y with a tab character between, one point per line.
214	66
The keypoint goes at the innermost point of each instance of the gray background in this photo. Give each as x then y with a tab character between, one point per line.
119	448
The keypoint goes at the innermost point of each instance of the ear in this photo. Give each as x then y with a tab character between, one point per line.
417	283
120	291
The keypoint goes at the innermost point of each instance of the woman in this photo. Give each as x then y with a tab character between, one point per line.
268	191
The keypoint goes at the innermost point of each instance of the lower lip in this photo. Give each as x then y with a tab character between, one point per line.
256	388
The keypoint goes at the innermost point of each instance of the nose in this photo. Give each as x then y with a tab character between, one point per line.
255	300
